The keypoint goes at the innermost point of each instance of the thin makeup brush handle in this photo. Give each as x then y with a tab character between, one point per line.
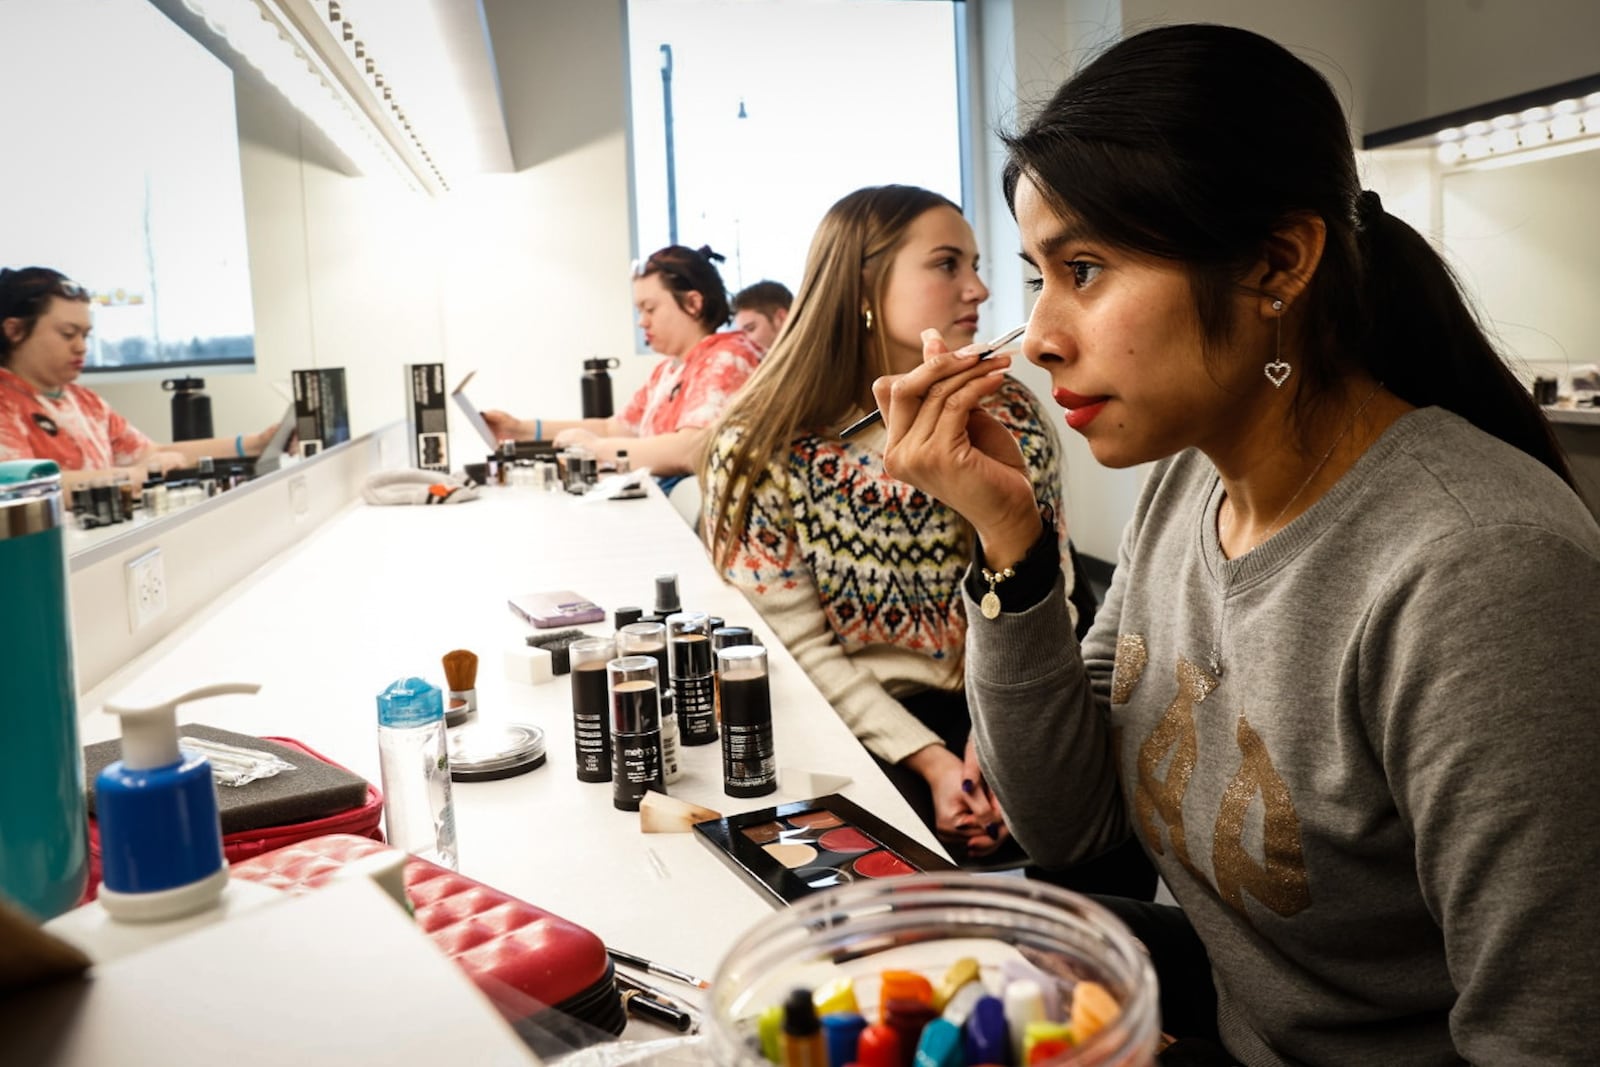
877	413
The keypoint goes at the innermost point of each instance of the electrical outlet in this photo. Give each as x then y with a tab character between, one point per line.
147	589
299	498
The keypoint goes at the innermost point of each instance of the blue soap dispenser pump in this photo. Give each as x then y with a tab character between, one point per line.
160	835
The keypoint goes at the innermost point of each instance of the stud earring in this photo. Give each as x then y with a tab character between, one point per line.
866	317
1277	371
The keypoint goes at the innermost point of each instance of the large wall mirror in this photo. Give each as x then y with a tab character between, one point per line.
158	170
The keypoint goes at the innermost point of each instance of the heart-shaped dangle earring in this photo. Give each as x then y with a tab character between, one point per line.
1277	371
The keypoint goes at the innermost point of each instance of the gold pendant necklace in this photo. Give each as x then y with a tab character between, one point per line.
1224	580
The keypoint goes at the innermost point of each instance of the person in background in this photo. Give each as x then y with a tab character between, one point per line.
1340	686
682	305
858	572
760	310
45	324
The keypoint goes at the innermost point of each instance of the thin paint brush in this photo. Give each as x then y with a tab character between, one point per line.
877	415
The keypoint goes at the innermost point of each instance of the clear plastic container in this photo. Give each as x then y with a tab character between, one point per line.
924	923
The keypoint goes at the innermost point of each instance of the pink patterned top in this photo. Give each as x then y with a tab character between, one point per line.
78	430
692	391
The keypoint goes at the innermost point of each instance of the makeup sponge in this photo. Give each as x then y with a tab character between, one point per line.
528	665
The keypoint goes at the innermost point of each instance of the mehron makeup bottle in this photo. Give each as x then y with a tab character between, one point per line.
591	706
635	730
650	639
693	676
749	763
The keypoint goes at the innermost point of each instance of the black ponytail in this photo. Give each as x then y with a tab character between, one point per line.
1195	143
1427	347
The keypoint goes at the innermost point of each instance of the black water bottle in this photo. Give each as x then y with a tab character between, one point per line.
191	409
597	388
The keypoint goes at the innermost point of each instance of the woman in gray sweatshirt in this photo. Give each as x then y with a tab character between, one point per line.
1341	686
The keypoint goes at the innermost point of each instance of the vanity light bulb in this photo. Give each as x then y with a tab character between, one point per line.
1475	129
1591	120
1530	134
1504	122
1449	133
1475	147
1450	153
1502	141
1566	125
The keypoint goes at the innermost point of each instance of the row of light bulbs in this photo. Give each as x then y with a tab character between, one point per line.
357	51
252	31
1565	120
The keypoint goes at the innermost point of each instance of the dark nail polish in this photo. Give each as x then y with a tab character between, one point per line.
967	787
993	829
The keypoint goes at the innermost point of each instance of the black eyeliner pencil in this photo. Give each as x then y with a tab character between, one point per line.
657	1012
877	416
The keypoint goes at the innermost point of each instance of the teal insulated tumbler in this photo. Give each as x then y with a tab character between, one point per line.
44	846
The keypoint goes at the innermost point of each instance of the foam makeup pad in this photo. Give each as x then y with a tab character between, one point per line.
313	790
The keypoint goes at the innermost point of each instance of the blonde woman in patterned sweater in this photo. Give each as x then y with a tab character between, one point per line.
858	573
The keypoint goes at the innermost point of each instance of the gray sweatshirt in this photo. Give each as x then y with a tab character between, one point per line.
1382	815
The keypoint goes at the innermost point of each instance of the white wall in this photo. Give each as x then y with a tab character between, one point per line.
1482	50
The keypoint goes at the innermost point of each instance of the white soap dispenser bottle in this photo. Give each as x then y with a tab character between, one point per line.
160	835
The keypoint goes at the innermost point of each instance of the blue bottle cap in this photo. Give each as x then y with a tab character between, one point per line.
410	702
940	1045
841	1032
988	1038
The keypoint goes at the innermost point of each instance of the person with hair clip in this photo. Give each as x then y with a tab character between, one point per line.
857	572
45	325
682	307
1340	685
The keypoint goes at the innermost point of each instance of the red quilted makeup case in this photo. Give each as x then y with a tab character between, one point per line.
538	969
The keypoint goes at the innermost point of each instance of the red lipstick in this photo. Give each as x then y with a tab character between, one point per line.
1081	410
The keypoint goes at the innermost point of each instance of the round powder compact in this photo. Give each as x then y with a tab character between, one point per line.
484	752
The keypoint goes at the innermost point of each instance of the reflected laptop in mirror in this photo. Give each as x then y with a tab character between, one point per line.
277	446
458	394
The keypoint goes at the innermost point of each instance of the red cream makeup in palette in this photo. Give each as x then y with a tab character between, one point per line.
796	849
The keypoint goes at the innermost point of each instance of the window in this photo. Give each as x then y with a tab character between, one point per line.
780	107
127	178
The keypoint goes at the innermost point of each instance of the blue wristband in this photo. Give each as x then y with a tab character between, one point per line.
238	443
538	429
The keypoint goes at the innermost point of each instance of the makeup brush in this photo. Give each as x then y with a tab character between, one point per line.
877	416
461	675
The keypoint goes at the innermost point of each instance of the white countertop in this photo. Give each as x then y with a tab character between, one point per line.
378	593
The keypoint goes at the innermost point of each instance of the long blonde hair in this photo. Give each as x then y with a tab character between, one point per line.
825	358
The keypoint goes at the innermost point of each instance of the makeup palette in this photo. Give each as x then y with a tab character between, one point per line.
796	849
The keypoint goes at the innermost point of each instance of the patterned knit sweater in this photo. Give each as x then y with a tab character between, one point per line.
860	574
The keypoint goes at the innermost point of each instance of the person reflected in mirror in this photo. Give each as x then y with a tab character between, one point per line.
682	307
760	310
45	324
1340	685
859	572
